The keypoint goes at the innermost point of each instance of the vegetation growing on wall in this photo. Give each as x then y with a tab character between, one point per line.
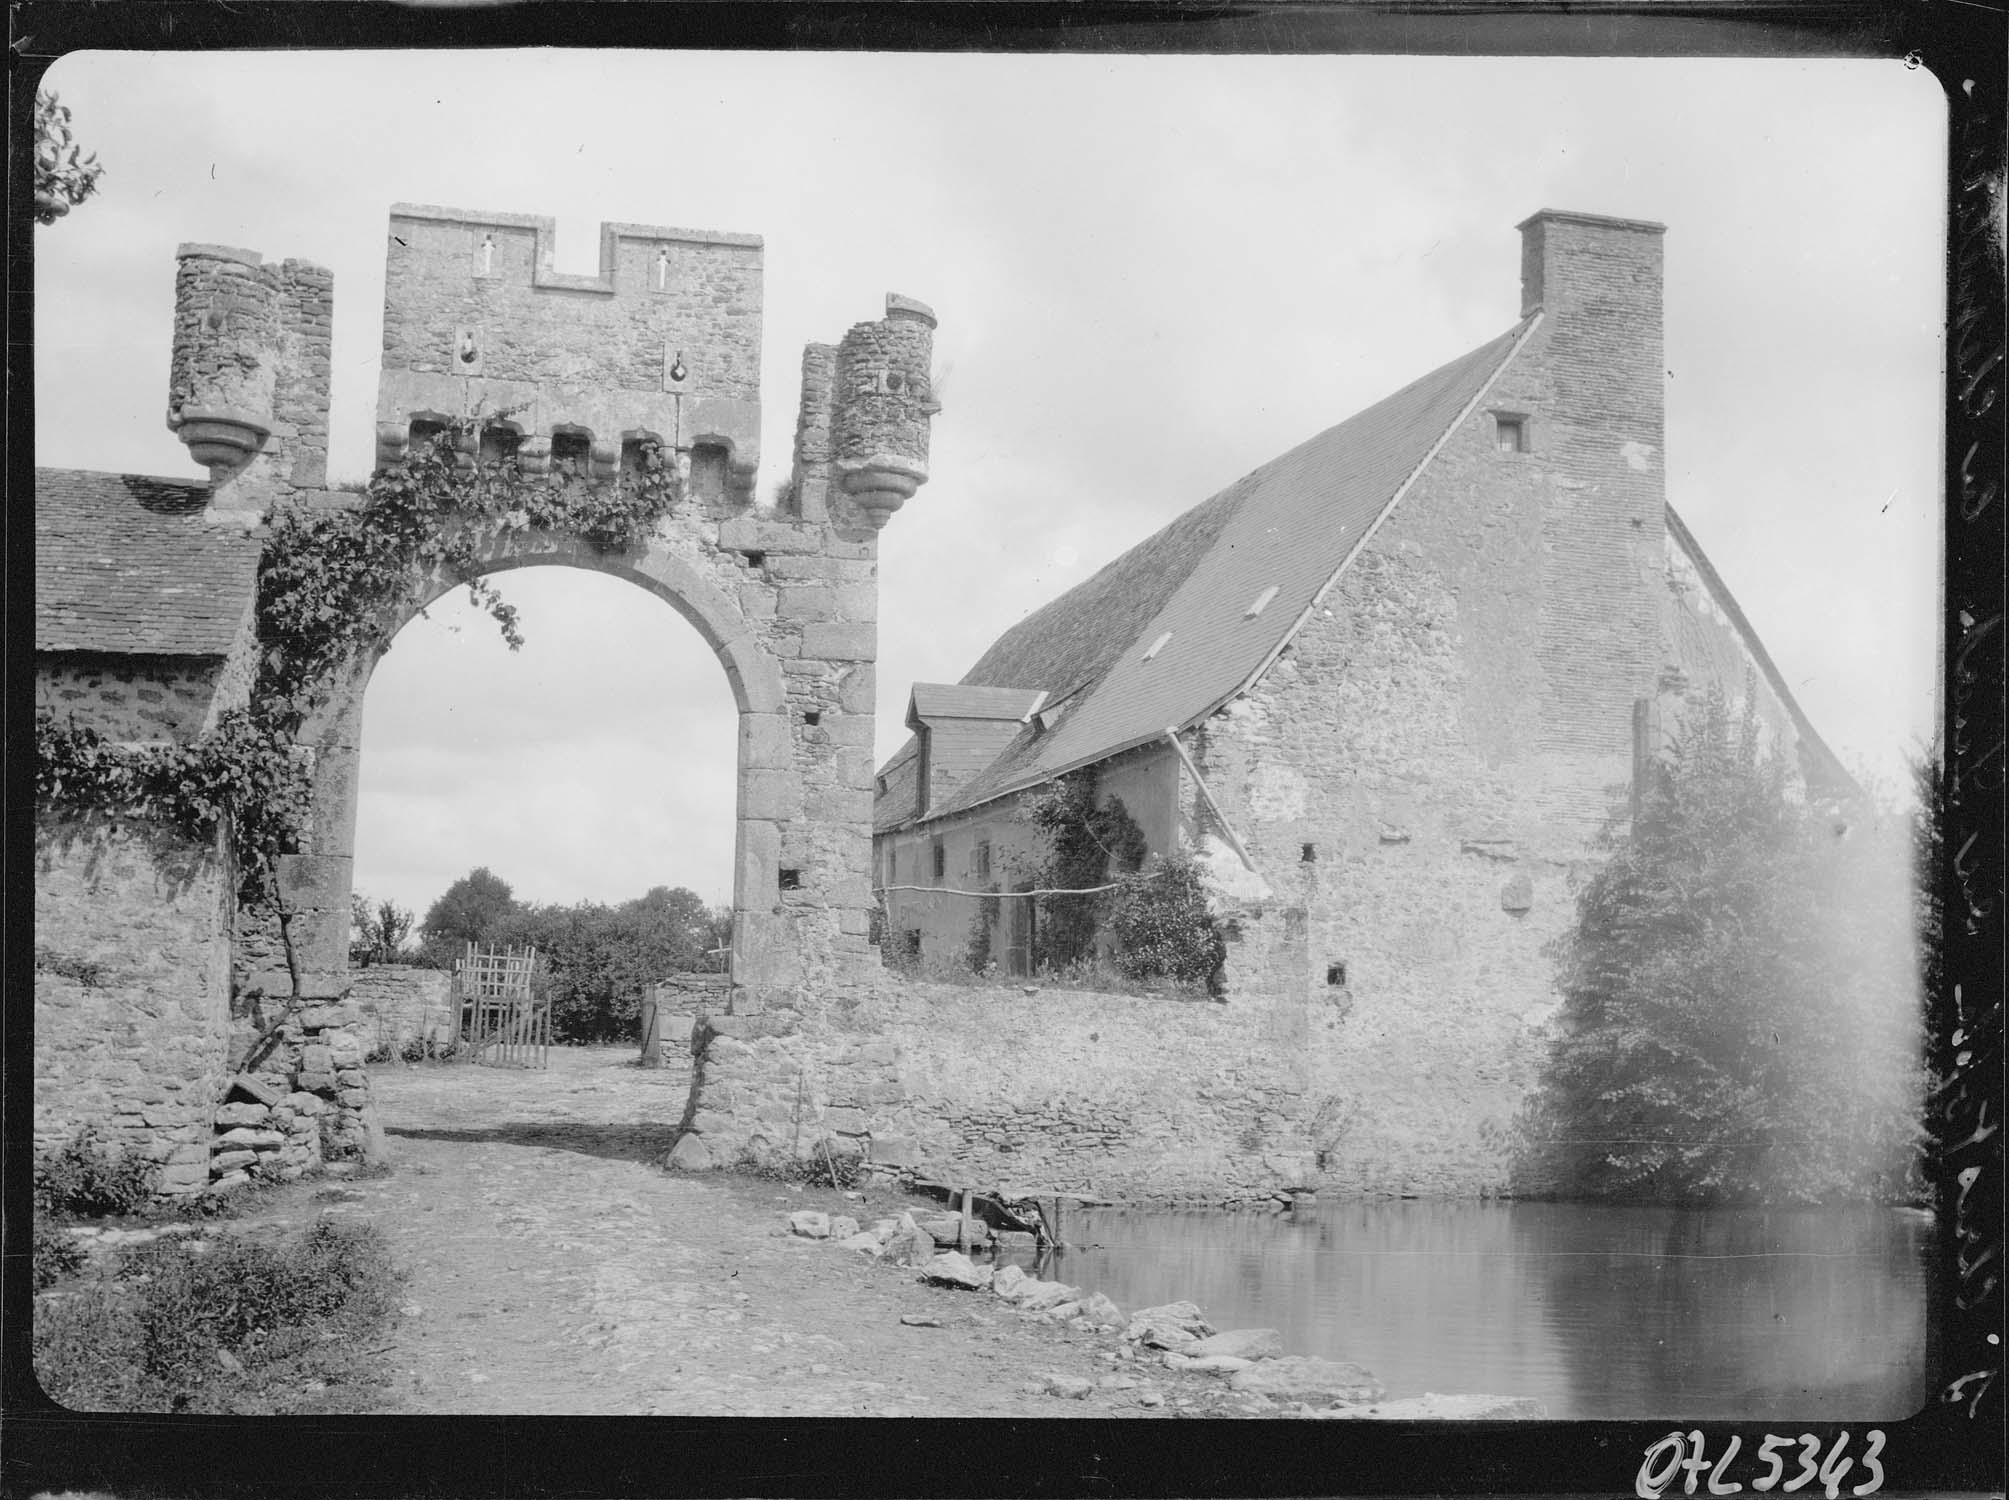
1086	845
1163	925
1740	1016
332	587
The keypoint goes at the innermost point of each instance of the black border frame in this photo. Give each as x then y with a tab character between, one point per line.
1949	1446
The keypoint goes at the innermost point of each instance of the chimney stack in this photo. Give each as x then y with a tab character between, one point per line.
1571	260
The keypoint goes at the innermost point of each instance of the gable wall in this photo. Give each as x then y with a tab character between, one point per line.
1446	732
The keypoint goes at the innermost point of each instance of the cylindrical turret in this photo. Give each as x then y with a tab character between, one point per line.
880	431
225	367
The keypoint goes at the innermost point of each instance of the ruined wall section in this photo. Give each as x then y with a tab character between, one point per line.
132	989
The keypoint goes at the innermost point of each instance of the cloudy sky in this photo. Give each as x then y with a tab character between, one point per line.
1152	274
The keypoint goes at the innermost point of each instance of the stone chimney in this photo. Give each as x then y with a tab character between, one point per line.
1571	260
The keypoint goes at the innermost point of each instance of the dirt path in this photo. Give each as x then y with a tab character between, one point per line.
556	1270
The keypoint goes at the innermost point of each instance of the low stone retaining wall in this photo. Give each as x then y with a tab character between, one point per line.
1136	1099
401	1003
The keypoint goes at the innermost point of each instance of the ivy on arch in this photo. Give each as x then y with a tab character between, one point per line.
329	583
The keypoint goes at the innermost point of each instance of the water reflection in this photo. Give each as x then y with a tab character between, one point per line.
1596	1312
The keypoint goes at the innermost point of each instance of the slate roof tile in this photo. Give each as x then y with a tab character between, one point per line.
1290	525
125	563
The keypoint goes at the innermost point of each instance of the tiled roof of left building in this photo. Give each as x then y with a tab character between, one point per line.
125	563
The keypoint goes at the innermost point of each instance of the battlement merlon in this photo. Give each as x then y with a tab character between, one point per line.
545	230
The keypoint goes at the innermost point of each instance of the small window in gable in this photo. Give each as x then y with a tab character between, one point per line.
980	862
938	858
1510	432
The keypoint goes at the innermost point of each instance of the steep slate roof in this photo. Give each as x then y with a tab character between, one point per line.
126	564
1818	763
1290	524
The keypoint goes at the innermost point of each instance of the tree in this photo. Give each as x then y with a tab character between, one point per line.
64	177
596	961
1740	1017
378	931
473	907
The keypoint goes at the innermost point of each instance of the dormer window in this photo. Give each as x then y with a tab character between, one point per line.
1510	432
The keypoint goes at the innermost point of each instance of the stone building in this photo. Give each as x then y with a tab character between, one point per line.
152	984
1385	687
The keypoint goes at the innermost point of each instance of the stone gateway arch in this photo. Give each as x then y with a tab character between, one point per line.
574	374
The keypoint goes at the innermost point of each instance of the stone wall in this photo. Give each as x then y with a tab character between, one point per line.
1430	759
130	697
401	1003
1114	1096
132	989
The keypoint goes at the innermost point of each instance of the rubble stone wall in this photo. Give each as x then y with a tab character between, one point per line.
401	1003
129	697
132	989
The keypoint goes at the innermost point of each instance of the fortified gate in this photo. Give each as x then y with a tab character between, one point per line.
576	375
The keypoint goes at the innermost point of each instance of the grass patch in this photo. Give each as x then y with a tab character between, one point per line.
230	1324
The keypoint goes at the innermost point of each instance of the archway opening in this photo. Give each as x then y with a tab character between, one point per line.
577	795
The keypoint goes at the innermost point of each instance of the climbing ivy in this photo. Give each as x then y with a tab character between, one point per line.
332	577
1085	845
329	588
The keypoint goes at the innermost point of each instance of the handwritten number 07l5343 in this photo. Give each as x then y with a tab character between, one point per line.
1685	1454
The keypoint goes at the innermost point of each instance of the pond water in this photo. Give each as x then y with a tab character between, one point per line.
1595	1311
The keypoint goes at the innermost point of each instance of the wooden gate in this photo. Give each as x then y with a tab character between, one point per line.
501	1022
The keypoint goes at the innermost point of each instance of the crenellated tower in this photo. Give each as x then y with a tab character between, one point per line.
571	373
662	345
249	375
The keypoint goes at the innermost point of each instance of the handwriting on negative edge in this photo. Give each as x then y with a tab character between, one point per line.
1681	1452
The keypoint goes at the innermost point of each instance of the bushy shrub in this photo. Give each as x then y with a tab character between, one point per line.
1741	1017
230	1324
1165	928
89	1178
813	1170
